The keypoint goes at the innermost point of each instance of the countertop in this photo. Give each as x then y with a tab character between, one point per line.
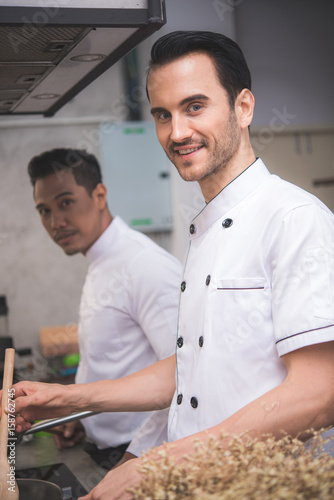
41	450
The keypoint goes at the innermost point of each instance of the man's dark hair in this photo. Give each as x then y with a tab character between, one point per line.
230	63
84	166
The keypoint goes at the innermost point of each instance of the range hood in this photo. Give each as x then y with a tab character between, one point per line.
51	49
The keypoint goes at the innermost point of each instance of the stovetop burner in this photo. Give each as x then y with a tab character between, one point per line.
59	474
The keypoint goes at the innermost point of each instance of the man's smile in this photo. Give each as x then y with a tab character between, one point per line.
185	149
188	151
64	236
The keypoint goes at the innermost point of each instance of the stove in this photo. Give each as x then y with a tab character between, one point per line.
59	474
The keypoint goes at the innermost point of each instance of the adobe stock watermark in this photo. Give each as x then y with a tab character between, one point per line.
223	7
278	122
64	338
190	210
11	444
119	108
31	26
313	263
246	327
104	297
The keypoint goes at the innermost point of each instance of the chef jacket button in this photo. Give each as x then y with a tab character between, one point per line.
179	399
194	402
179	342
201	341
208	279
183	286
192	229
227	223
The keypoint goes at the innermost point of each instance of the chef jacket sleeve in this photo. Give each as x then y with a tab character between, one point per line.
303	278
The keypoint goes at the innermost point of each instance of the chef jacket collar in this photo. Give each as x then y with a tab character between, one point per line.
104	243
229	196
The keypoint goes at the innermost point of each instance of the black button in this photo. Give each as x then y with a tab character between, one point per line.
201	341
183	286
208	279
194	402
179	399
227	223
192	229
180	342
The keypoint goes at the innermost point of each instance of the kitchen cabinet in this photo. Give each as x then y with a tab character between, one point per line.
305	158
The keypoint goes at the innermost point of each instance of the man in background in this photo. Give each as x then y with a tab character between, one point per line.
128	310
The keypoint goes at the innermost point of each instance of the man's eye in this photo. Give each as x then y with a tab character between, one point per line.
195	107
163	116
66	203
43	211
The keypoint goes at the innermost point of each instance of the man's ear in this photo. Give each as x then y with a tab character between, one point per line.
100	195
244	107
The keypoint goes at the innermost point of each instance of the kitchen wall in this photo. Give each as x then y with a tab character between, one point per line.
42	284
288	46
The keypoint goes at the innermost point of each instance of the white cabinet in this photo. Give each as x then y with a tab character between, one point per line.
136	172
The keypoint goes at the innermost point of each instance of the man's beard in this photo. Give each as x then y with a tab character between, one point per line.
224	150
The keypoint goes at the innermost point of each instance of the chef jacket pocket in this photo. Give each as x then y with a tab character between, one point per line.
241	284
242	306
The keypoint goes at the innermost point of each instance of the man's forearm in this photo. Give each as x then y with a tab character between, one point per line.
149	389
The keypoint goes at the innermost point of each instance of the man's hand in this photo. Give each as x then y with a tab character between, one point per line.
127	456
68	435
36	400
115	484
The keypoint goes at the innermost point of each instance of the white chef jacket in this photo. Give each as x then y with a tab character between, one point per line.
127	321
258	283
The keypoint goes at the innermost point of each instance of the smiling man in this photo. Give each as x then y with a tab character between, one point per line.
199	133
128	310
255	347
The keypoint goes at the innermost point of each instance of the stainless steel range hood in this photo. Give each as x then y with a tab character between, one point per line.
51	49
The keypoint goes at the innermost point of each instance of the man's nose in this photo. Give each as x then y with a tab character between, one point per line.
57	220
180	129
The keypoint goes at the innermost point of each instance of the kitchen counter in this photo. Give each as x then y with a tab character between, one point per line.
41	450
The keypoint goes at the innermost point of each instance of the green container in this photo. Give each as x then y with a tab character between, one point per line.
71	359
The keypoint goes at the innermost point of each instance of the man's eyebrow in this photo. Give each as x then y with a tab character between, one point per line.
195	97
186	100
156	110
65	193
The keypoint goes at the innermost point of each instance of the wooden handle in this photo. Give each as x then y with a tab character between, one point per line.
6	386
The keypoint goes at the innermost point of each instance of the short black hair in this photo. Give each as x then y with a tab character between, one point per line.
84	166
230	63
